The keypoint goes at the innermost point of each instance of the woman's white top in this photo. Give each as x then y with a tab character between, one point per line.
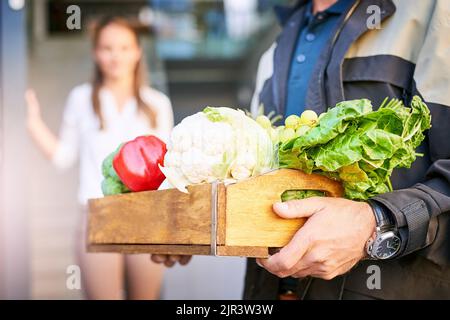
80	136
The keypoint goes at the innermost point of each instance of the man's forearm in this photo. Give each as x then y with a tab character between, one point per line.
413	208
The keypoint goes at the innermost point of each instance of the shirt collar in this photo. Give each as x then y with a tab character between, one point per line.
283	12
340	7
336	9
109	104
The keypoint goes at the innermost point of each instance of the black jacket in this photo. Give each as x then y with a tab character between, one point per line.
409	55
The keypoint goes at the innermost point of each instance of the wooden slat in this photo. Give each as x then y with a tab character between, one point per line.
250	219
254	252
249	252
221	214
154	217
151	249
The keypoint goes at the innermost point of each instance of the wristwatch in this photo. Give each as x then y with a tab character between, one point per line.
385	242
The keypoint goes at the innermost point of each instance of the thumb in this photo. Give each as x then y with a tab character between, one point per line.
304	208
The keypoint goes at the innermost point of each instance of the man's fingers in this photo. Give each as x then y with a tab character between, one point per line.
170	260
296	248
184	260
298	208
157	258
283	262
169	263
174	258
317	271
302	273
286	261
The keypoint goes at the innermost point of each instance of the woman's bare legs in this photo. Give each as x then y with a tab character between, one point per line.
144	277
102	274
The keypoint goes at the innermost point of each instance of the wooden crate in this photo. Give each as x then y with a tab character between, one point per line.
233	220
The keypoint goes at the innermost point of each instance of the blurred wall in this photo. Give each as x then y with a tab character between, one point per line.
56	65
14	231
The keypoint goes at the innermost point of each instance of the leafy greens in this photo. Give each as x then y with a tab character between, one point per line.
359	146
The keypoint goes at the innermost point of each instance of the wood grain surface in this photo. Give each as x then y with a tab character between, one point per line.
152	217
172	222
253	252
250	220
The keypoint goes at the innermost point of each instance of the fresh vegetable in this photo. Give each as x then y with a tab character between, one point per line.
267	123
295	126
308	118
292	121
287	134
218	144
137	163
264	121
302	130
300	194
321	116
350	143
111	183
359	146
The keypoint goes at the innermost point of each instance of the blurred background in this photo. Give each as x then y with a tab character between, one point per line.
200	52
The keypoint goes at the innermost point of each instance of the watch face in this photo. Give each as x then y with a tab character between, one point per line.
387	246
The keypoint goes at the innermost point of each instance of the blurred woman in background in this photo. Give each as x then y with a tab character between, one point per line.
115	107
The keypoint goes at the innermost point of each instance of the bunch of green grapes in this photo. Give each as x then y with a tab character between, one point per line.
294	126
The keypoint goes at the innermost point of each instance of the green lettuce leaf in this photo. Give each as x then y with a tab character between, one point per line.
360	147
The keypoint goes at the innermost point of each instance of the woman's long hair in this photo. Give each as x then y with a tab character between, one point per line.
139	73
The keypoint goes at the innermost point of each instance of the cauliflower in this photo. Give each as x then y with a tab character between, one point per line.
217	144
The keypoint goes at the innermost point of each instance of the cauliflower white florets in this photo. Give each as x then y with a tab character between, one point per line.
217	144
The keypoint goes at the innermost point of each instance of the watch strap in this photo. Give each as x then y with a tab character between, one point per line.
382	218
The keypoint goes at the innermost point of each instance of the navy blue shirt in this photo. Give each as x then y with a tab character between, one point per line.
314	34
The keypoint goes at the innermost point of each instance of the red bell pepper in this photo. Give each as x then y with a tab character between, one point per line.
137	161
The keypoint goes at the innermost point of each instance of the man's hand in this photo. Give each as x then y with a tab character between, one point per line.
170	260
329	244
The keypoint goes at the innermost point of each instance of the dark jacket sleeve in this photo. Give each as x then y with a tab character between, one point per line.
415	207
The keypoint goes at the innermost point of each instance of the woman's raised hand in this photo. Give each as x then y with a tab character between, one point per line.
33	107
41	134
